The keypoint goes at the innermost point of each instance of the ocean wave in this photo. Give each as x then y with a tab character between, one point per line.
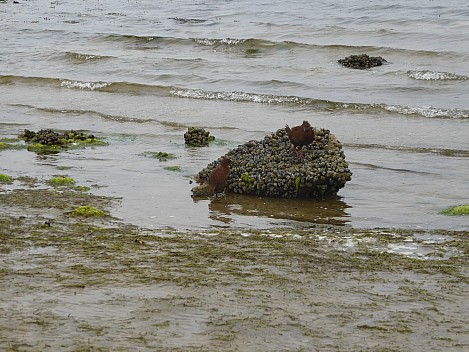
81	58
79	112
459	153
84	85
223	41
182	20
321	104
150	41
435	76
429	111
247	97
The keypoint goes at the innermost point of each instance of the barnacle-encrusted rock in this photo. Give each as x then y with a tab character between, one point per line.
269	167
197	137
361	61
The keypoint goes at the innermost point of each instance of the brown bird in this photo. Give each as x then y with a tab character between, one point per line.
218	177
300	136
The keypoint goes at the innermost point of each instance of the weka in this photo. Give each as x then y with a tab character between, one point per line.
218	177
300	136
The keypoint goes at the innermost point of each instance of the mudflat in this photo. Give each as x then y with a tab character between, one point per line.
85	281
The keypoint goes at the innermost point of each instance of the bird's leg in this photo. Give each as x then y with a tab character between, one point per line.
299	153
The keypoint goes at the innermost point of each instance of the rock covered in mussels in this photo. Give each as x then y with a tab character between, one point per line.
197	137
269	167
361	61
48	141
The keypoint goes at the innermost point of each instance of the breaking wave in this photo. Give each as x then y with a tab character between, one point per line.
435	76
82	58
244	97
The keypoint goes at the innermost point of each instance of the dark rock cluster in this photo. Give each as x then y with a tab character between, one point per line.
269	167
53	138
361	61
48	141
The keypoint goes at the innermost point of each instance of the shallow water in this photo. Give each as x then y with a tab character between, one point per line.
139	73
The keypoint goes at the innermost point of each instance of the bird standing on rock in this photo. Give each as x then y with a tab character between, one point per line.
218	177
300	136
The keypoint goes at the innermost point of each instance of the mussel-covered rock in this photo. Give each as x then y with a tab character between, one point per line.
49	141
197	137
361	61
269	167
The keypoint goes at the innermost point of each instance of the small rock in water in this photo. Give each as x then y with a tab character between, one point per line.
197	137
361	61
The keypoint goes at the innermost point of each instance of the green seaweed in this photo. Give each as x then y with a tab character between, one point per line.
58	181
297	183
173	168
5	178
457	210
10	144
246	178
161	156
87	211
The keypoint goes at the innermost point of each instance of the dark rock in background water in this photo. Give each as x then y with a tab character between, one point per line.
269	167
361	61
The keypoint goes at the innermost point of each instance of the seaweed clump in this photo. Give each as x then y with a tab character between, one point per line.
457	210
58	181
161	156
48	141
197	137
361	61
6	178
269	167
87	211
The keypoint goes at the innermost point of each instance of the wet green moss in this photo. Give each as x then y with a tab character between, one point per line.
457	210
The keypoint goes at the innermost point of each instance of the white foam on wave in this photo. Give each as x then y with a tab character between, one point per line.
434	76
234	96
429	111
224	41
83	85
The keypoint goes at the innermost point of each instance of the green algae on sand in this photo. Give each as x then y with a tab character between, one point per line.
87	211
353	279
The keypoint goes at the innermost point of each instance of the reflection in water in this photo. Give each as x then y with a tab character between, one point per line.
331	211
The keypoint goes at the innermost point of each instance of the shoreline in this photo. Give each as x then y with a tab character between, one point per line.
94	283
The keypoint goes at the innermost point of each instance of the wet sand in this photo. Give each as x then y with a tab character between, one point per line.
96	284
